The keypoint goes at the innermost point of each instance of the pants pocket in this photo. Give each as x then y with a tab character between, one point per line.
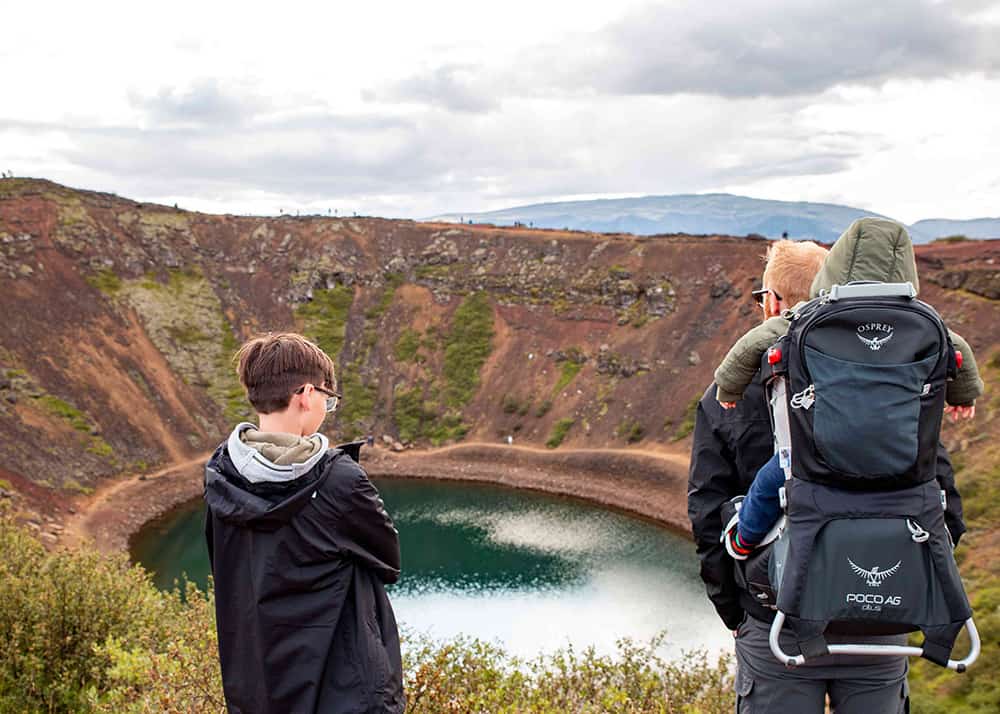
744	687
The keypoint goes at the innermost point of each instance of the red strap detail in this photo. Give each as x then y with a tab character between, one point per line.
774	355
959	359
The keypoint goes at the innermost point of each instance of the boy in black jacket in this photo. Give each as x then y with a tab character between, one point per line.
301	547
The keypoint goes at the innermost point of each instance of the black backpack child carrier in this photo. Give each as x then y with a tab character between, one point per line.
857	396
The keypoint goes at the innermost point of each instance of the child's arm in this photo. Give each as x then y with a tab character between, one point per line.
967	386
758	512
743	360
762	507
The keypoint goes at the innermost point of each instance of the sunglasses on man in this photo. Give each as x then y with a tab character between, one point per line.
332	398
758	295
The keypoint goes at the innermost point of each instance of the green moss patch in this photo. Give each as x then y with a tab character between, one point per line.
407	346
57	407
467	346
324	318
392	283
184	319
559	431
568	372
359	400
417	418
106	280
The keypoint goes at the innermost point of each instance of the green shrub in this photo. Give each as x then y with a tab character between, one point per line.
515	405
687	423
559	431
467	675
58	610
630	430
543	408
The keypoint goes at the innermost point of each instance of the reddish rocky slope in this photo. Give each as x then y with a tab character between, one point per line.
120	317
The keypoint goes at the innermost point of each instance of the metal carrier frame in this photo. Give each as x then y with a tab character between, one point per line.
783	447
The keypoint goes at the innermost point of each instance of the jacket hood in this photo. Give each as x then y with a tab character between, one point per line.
870	249
265	505
260	506
273	457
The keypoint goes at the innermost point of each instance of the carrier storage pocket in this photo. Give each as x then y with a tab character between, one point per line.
867	416
872	569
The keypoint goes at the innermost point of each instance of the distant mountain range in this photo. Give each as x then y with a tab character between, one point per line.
714	213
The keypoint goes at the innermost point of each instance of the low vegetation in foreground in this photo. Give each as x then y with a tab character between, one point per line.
84	632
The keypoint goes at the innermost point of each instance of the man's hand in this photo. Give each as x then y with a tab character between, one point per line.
961	412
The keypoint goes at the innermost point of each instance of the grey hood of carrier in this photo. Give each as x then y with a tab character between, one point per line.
870	249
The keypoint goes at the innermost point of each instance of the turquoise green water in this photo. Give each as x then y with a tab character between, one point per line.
532	571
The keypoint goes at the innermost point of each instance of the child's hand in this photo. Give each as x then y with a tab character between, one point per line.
728	405
961	412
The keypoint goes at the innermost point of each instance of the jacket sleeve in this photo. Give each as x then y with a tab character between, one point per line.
712	480
743	360
364	529
953	501
967	385
210	540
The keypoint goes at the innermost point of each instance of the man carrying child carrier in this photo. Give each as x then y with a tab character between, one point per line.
730	445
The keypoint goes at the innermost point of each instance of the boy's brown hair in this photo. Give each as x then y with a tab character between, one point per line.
271	367
791	267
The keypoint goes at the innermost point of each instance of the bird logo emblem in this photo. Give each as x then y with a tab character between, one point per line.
874	343
874	577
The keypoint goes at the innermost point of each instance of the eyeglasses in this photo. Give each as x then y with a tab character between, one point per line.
332	398
758	295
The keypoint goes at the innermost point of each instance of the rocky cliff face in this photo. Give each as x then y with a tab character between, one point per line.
120	319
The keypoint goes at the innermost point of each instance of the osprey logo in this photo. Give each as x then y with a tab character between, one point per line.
874	334
874	577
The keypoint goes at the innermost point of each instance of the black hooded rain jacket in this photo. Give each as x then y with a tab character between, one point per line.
303	619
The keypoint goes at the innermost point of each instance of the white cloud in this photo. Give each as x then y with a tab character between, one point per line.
418	109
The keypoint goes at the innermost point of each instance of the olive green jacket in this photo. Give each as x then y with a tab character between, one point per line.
870	249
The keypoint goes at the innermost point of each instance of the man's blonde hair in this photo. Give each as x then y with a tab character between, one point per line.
791	267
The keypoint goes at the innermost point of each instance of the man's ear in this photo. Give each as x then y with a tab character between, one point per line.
773	308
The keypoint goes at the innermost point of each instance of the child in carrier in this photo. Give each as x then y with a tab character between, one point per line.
871	249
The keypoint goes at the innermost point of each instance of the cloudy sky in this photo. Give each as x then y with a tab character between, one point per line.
419	108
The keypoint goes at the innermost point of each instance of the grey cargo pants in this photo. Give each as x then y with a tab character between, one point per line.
856	685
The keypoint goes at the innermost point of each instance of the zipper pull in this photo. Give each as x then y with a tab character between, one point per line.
805	398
